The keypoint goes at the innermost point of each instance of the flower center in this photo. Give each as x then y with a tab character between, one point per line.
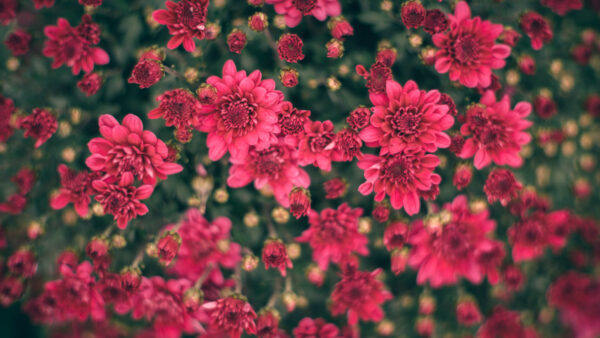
269	162
405	121
318	143
454	242
304	6
466	49
238	114
191	15
399	170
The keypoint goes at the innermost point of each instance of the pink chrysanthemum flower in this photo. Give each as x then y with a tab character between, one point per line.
530	236
127	152
275	166
186	20
244	115
123	202
537	28
179	108
76	188
501	185
291	122
40	125
316	328
7	108
408	116
403	176
232	315
274	254
316	146
505	323
442	253
90	83
360	294
294	10
201	246
497	131
39	4
18	42
73	45
333	235
8	11
468	50
561	7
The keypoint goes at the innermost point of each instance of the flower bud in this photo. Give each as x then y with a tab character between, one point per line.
299	202
288	77
258	22
168	246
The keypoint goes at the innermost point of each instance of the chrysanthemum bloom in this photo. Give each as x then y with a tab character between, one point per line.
359	118
412	14
90	83
14	204
186	20
360	294
527	64
8	10
333	235
501	185
24	179
92	3
245	113
276	166
232	315
299	202
462	176
347	145
294	10
335	48
510	36
395	235
592	105
407	116
340	28
123	202
258	22
161	303
288	77
40	125
73	45
43	3
537	29
316	145
562	7
22	263
274	254
128	152
497	131
582	54
467	312
435	22
468	50
335	188
530	236
76	188
445	250
401	176
236	40
167	246
376	77
289	47
504	323
291	122
577	297
148	70
7	108
381	212
202	244
179	108
18	42
97	248
11	289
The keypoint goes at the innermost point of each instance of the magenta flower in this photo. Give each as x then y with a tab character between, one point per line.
294	10
128	152
407	116
333	235
245	113
76	188
123	202
186	20
275	167
468	50
316	145
405	177
73	45
179	108
40	125
497	131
